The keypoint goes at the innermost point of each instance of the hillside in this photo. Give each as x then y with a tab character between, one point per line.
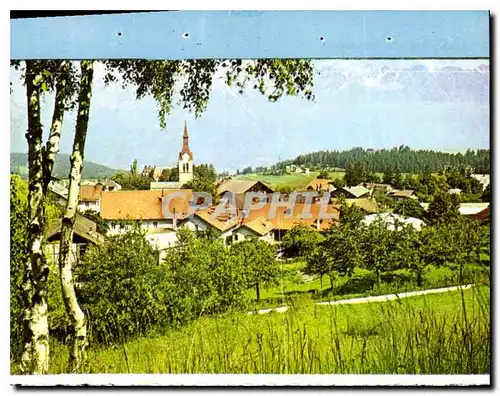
91	170
399	159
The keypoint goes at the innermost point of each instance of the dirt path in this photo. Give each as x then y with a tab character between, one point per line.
371	299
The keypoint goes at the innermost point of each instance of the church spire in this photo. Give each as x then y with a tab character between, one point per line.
185	143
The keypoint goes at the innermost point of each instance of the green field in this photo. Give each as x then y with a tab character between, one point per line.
295	181
362	283
434	334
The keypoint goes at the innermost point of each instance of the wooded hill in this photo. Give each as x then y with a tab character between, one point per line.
398	159
91	170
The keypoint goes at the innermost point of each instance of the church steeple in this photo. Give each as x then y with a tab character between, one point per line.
186	169
185	144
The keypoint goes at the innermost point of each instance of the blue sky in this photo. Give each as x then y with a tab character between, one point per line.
431	104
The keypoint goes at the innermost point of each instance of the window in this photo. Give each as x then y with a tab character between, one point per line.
155	224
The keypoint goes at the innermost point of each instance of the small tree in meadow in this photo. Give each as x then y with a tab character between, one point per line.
418	249
300	241
378	247
337	255
258	259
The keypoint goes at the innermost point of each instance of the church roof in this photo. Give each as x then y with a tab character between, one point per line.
185	144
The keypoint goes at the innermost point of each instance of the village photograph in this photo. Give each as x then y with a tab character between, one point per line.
266	216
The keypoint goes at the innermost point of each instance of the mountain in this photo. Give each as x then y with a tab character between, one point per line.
91	170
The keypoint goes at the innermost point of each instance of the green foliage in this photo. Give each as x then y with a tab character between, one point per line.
204	181
258	259
205	172
130	181
350	215
122	287
18	256
300	241
337	255
409	208
378	245
102	225
354	174
397	159
323	175
445	333
443	208
133	168
416	250
206	278
157	78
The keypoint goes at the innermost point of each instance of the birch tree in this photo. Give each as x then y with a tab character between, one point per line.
77	317
40	77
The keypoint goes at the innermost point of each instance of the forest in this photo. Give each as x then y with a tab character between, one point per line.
401	159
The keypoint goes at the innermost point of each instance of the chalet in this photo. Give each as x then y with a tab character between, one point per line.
85	233
319	185
399	195
381	187
472	209
482	216
351	192
237	186
90	197
367	204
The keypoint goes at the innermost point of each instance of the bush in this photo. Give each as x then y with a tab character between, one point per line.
122	287
206	278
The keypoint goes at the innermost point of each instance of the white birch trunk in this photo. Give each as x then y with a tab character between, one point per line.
35	356
78	322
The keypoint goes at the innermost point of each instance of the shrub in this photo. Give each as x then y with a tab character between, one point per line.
122	287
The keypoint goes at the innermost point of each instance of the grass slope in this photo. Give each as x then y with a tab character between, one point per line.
434	334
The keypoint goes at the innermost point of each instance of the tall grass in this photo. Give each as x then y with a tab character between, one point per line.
433	334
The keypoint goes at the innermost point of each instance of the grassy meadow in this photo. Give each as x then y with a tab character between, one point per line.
294	181
293	283
446	333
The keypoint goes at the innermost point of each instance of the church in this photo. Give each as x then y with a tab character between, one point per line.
185	165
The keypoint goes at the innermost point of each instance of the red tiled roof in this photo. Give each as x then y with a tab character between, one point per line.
90	193
142	204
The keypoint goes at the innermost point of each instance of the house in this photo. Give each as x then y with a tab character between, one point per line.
472	209
399	195
483	179
318	185
351	192
367	204
391	219
482	216
457	191
85	233
259	227
237	186
224	224
109	185
171	185
90	197
144	207
262	222
59	192
381	187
